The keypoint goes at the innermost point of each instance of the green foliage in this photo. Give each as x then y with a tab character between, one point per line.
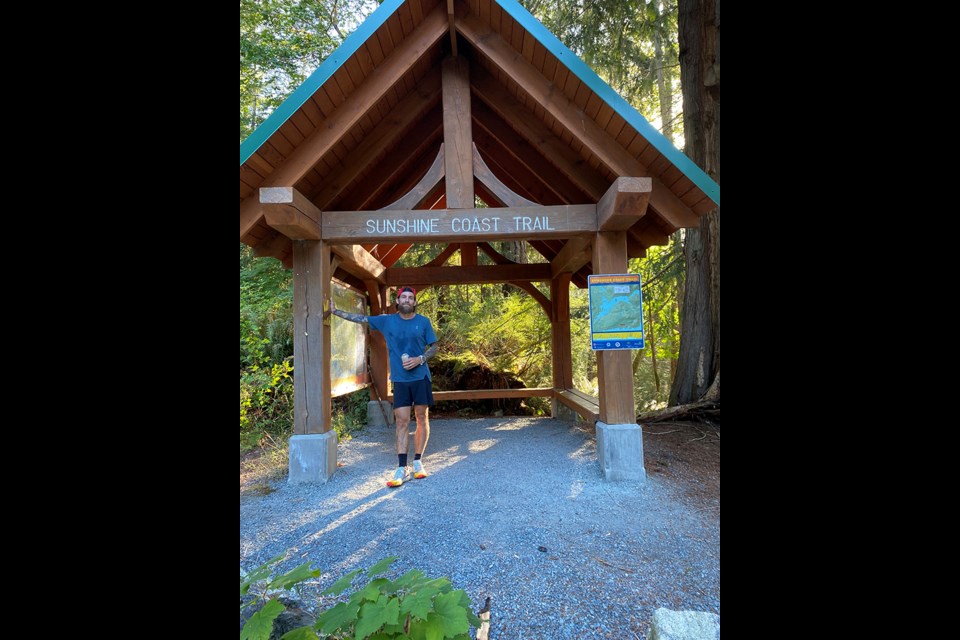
631	44
260	624
266	403
662	275
412	607
266	311
282	42
266	349
350	413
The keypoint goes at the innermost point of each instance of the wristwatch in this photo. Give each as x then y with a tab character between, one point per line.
423	359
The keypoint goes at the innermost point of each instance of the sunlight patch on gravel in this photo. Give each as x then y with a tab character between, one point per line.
476	446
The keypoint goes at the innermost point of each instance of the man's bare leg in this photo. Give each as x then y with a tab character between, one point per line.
402	419
423	429
420	438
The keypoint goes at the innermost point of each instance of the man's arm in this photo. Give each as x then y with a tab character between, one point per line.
431	351
352	317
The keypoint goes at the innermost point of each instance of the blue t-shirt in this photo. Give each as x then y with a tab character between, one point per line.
405	336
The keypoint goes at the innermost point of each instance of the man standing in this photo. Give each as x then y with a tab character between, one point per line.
410	343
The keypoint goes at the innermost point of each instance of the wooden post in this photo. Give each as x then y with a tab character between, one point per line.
311	337
379	361
614	368
468	254
457	133
560	335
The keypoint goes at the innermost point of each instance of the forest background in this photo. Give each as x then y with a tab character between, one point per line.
634	45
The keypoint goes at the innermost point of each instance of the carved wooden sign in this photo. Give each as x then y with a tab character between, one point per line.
459	224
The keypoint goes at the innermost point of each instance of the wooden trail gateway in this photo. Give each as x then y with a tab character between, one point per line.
428	106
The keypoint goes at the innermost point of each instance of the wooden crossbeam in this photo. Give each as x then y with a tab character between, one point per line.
493	254
455	225
572	257
358	262
624	203
536	294
290	212
444	255
275	246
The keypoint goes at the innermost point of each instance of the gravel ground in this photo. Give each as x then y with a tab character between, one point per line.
499	490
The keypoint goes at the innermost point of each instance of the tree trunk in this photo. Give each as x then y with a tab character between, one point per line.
699	362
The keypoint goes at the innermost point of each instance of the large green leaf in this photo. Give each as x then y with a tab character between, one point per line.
408	581
418	603
371	592
260	624
452	616
259	573
466	604
374	615
392	630
341	616
426	630
287	580
342	584
440	584
381	566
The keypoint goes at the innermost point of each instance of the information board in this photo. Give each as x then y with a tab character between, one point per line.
616	311
348	343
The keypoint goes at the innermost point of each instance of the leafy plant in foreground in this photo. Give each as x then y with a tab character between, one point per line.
412	607
260	624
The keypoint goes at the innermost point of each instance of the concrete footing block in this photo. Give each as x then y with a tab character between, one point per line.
684	625
375	414
620	451
313	457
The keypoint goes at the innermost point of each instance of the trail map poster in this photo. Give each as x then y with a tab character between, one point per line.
616	312
348	343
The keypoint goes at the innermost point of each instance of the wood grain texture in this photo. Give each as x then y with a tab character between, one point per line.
311	337
457	136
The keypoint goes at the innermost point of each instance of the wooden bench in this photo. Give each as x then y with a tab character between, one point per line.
584	404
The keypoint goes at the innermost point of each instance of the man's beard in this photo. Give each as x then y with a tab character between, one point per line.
406	308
